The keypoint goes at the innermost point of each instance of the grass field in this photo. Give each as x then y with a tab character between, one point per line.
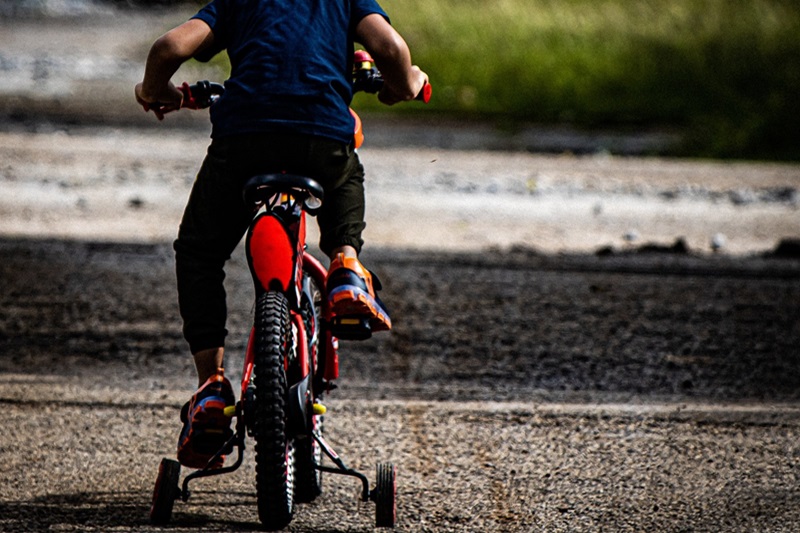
726	73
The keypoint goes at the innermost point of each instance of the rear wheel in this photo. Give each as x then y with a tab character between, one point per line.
274	450
386	495
166	491
308	453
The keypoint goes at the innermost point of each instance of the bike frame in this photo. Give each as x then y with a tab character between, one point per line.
278	260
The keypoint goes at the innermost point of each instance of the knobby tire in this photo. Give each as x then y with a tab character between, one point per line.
274	451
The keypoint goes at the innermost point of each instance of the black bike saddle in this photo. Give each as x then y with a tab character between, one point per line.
262	187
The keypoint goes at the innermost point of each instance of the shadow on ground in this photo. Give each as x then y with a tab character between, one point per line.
502	325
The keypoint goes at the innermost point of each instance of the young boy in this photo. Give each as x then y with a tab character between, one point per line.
285	108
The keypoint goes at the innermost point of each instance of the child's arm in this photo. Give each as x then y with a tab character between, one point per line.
402	80
156	92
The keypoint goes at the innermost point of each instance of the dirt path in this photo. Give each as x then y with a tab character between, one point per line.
131	185
463	467
518	392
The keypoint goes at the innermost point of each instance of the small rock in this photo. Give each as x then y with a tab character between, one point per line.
135	203
631	236
718	241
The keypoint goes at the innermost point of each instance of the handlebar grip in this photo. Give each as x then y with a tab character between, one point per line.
369	80
425	94
200	95
189	100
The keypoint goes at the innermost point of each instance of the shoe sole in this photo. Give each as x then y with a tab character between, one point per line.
348	300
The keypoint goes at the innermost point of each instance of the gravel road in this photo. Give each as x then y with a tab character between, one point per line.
518	392
569	354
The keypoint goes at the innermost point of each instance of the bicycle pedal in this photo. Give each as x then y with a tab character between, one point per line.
351	328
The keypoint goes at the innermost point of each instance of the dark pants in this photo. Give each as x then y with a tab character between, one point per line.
216	217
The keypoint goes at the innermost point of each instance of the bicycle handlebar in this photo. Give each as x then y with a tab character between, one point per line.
369	80
366	79
200	95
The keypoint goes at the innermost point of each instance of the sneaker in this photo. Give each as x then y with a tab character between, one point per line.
206	428
352	296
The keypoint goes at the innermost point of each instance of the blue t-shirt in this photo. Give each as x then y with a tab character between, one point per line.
291	65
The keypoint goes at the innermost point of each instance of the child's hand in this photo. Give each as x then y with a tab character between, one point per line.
416	80
170	99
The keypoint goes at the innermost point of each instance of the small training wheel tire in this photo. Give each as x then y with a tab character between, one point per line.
166	491
385	495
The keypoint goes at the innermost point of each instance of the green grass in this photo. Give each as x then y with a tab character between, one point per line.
724	72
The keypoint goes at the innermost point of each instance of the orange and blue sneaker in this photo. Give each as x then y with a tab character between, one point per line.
355	307
206	428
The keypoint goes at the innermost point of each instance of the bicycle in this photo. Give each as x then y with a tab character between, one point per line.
291	359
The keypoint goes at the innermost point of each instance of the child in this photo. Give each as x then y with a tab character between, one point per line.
285	108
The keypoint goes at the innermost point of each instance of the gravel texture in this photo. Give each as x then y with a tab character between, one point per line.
518	392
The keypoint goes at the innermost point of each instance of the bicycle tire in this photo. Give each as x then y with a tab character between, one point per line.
274	449
308	452
166	491
386	495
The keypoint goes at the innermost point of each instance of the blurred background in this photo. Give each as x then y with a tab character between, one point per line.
703	78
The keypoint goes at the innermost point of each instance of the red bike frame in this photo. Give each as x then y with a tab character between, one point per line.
277	256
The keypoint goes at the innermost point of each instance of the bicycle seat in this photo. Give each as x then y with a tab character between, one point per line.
262	187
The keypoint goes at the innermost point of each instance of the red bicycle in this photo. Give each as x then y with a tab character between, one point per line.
291	359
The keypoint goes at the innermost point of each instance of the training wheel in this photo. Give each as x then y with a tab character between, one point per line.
385	495
166	491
